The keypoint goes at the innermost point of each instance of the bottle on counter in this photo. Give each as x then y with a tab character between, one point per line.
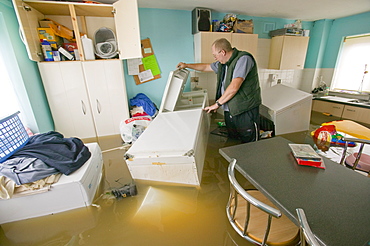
326	91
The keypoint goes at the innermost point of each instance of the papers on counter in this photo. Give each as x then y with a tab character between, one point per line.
306	155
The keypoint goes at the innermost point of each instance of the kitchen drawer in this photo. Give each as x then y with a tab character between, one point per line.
356	113
334	109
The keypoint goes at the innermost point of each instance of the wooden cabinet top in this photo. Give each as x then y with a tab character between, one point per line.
62	8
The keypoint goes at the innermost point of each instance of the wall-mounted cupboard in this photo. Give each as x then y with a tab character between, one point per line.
87	99
81	18
203	44
288	52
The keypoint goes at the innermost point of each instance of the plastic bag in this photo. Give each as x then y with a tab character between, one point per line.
132	128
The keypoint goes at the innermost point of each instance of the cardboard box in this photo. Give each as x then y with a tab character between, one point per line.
243	26
45	23
48	34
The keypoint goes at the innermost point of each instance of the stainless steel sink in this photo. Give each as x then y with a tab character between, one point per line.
338	99
347	100
359	101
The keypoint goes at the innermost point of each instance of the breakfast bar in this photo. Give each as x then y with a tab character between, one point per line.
336	200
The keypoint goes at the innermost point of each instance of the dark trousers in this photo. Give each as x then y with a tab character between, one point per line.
243	126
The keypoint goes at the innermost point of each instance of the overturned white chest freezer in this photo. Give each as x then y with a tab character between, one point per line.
173	147
287	107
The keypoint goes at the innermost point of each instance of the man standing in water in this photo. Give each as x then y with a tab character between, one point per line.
238	90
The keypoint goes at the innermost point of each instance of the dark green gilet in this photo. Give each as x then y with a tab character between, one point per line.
249	93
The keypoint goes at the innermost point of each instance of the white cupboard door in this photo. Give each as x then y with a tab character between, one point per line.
245	42
203	45
68	99
108	97
294	52
127	28
288	52
28	23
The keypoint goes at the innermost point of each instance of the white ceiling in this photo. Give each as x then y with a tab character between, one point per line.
306	10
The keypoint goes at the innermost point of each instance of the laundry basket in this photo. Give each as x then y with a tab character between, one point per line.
13	136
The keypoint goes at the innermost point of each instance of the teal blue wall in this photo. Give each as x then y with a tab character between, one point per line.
352	25
318	39
23	72
172	41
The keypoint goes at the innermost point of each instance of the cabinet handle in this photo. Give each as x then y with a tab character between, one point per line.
83	107
27	8
351	110
98	106
21	35
336	107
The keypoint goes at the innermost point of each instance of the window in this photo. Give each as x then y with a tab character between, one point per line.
8	99
353	64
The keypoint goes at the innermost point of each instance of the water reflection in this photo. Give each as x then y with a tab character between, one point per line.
58	229
158	215
163	204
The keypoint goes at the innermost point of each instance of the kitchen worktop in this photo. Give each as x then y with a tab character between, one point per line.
344	100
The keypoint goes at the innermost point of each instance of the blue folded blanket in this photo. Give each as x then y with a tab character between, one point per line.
65	155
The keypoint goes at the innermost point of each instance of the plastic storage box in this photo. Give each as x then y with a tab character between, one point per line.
13	136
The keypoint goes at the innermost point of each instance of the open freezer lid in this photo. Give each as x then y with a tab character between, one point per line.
175	85
280	96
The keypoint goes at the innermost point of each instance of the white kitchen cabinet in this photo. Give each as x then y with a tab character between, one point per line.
68	99
203	44
107	92
331	108
87	99
349	112
288	52
124	13
356	114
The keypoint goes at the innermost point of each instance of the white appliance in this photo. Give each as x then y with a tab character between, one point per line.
172	148
287	107
73	191
105	43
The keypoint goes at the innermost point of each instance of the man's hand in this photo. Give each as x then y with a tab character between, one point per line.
213	108
181	65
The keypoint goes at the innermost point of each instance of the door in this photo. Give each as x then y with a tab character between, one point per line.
127	28
294	52
28	24
68	99
108	97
